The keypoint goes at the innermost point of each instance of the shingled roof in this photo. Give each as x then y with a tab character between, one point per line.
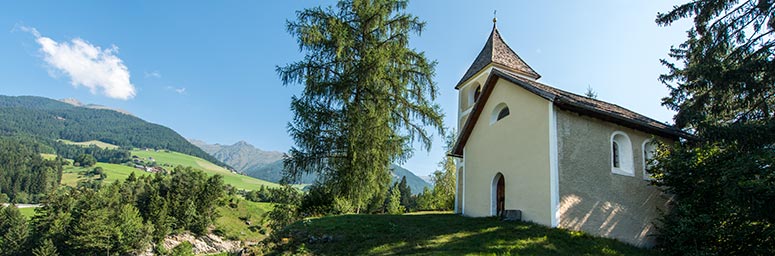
567	101
498	52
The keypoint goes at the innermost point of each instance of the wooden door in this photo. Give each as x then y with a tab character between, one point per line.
500	196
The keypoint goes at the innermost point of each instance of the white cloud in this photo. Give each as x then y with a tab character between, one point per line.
87	65
154	74
181	90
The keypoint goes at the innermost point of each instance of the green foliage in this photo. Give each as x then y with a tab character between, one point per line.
722	179
124	217
46	248
367	96
13	231
183	249
406	195
394	201
442	197
46	120
286	211
85	160
25	176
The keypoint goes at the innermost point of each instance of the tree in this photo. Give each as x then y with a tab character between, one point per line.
367	96
132	234
86	160
46	248
722	179
13	231
394	201
406	194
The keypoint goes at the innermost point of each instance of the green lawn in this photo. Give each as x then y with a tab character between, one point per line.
243	220
175	159
438	234
97	143
72	175
27	212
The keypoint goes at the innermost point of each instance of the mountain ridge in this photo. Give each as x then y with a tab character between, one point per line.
48	120
268	165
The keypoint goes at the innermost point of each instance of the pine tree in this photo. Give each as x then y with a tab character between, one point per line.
367	96
13	231
406	194
394	201
46	248
132	234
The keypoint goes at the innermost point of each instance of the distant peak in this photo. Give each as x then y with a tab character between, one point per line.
77	103
242	143
72	101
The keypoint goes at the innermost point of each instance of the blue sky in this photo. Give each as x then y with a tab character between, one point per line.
207	70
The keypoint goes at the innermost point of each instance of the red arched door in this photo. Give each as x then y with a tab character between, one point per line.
500	196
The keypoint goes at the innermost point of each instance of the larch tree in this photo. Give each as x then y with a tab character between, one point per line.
367	96
722	87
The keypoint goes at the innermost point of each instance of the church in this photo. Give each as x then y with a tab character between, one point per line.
552	157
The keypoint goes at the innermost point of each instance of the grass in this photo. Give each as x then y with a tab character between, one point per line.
174	159
439	234
243	220
71	175
27	212
89	143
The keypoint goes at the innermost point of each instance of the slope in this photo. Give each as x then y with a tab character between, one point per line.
48	120
437	234
171	159
268	165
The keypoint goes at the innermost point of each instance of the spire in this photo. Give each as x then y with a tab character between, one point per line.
496	51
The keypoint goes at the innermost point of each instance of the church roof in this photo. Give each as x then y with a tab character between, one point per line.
566	101
498	52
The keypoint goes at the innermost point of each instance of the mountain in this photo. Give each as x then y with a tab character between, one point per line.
240	155
47	120
268	165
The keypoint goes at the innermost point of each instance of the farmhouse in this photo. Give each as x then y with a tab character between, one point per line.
550	156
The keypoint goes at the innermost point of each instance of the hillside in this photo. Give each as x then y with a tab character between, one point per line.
268	165
437	234
48	120
169	158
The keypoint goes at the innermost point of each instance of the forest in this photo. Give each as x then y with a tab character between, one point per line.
120	218
46	120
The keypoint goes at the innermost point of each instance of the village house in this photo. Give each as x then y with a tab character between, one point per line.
535	152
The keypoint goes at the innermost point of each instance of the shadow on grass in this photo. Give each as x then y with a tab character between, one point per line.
440	234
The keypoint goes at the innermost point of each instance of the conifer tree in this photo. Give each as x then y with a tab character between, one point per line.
46	248
13	231
722	179
367	96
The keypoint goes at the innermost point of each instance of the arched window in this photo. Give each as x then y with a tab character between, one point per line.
477	93
621	154
499	112
615	149
649	151
503	113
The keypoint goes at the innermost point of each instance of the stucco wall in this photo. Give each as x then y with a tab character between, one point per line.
516	146
592	198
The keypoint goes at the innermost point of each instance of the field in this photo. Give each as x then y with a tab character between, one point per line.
439	234
72	175
174	159
89	143
242	220
27	212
